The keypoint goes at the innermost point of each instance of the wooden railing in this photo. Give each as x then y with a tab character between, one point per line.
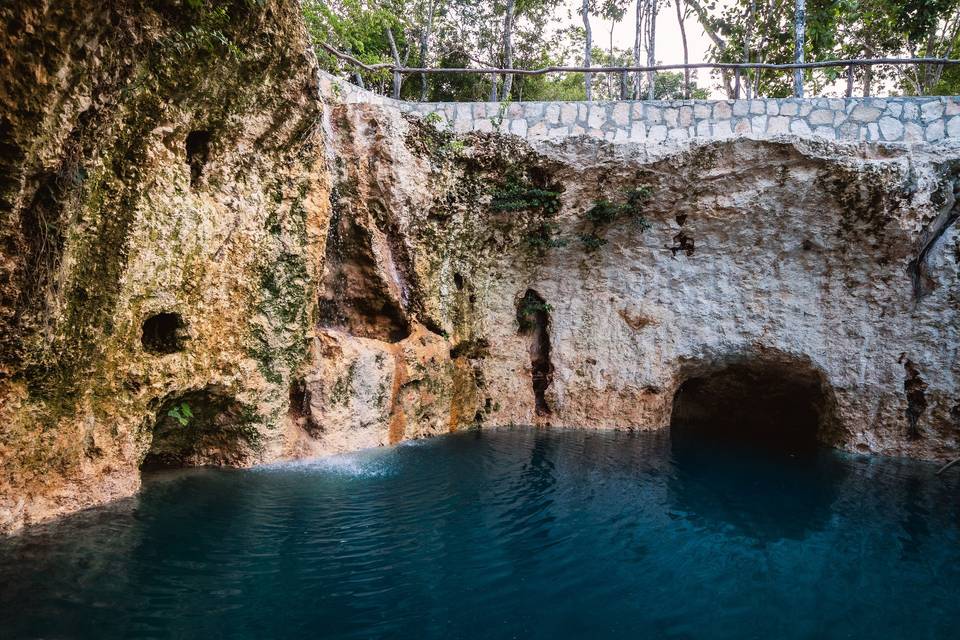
737	67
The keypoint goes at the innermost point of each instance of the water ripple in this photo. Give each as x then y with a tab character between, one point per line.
510	533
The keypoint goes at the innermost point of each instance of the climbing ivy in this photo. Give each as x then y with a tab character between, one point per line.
521	197
605	212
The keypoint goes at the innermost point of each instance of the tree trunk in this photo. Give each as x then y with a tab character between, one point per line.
704	19
637	41
425	34
748	36
610	61
508	47
651	47
397	78
686	52
588	43
799	33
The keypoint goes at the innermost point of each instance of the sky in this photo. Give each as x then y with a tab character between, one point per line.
669	46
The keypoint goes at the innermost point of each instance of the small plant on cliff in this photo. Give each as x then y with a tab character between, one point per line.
528	309
544	237
591	241
605	212
434	119
181	413
520	197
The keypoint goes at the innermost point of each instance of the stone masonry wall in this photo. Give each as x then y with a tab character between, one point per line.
897	120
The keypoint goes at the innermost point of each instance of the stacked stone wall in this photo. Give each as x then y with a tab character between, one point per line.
908	120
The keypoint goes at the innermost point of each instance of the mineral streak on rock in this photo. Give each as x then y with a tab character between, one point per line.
213	256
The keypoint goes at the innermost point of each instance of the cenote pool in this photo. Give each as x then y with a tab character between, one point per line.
515	533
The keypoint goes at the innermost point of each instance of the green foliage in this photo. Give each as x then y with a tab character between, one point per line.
605	212
520	197
360	29
544	237
591	241
465	33
181	413
207	30
531	306
836	29
669	86
435	119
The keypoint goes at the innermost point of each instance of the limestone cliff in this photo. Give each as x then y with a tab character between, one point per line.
212	256
165	205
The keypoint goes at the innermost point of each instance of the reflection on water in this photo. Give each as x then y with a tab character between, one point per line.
512	533
760	493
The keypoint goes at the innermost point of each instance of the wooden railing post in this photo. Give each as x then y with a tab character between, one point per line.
850	81
736	84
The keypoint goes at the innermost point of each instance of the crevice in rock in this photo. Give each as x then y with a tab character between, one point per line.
919	268
533	317
299	408
202	427
163	333
198	152
355	297
682	242
775	405
916	389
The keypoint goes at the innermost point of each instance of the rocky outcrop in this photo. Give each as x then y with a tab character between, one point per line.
165	206
650	266
212	257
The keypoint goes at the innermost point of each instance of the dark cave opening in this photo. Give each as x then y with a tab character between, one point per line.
202	427
163	333
774	406
299	408
198	152
533	317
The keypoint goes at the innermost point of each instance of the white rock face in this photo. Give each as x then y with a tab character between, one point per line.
797	255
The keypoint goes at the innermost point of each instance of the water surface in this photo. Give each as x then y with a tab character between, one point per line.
514	533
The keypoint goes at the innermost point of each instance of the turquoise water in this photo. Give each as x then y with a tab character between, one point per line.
507	534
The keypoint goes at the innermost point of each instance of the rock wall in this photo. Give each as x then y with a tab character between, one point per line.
645	266
893	120
211	255
165	203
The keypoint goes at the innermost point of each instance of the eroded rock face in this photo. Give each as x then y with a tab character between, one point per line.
309	276
165	206
661	264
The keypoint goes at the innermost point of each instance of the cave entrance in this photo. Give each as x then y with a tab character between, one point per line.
533	317
780	406
202	427
163	333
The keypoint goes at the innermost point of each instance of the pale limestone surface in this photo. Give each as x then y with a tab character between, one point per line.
803	255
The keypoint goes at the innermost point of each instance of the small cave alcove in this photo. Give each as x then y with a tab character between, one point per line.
749	446
199	428
163	333
357	296
533	318
198	152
